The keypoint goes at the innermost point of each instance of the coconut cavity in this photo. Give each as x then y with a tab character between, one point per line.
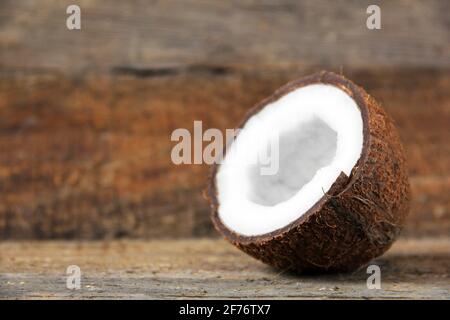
302	152
306	138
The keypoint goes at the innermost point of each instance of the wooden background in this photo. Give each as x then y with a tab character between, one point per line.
86	116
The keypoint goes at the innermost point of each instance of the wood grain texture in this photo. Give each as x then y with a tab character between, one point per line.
86	116
199	269
89	156
177	33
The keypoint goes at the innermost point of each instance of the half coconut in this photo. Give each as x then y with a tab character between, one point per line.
315	180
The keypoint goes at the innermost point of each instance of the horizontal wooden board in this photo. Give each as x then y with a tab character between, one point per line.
88	155
179	33
201	269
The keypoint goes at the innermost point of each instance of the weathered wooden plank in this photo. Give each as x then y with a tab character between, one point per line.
89	156
178	33
412	269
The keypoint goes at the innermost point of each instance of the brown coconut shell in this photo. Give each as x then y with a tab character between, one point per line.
359	217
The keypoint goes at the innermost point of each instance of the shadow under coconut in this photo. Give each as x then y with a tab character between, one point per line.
393	268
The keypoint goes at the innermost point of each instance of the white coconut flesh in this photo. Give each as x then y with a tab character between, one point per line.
319	132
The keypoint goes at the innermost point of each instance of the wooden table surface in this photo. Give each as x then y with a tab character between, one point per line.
209	268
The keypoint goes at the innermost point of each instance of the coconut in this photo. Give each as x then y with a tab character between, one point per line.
340	192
